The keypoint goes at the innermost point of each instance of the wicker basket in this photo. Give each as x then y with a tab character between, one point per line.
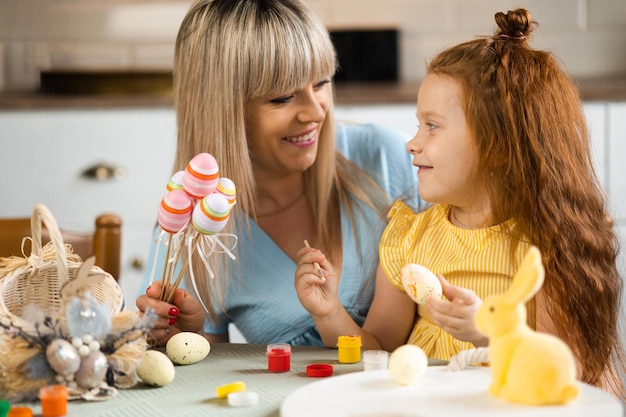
49	277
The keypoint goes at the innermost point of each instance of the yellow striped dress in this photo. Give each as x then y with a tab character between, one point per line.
479	260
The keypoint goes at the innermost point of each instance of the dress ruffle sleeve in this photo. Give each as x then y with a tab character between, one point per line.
397	237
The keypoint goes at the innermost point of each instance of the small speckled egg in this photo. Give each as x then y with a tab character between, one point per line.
155	368
407	363
420	283
185	348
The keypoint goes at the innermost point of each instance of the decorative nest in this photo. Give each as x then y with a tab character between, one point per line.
61	322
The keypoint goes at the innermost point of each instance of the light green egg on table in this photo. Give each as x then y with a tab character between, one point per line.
155	368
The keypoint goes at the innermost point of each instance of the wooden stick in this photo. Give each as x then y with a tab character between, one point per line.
169	296
315	264
166	274
176	257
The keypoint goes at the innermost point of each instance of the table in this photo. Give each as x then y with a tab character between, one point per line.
192	393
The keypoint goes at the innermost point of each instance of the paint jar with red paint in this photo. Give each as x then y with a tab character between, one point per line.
279	357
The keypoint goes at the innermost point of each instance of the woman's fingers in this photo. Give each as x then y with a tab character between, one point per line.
165	314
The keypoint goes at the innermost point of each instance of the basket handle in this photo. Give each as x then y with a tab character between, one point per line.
42	214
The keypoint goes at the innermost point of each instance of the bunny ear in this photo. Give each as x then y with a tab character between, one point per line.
528	279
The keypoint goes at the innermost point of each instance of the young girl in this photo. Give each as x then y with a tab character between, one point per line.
503	150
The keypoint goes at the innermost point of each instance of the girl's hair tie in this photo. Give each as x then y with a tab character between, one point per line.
518	38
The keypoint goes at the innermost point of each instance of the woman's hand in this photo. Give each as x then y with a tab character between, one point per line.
317	294
457	315
184	314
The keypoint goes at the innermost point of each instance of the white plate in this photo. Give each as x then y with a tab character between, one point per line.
439	393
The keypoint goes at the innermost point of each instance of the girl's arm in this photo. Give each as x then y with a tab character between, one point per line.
388	322
391	316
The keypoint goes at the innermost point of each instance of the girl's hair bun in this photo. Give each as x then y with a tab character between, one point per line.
515	25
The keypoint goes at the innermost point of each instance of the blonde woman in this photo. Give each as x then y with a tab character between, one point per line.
253	87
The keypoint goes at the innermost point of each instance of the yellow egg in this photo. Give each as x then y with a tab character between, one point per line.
155	368
407	363
185	348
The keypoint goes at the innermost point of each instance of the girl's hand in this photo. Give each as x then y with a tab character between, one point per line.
317	294
456	316
184	314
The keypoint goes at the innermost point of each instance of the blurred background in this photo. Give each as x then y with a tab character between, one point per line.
138	35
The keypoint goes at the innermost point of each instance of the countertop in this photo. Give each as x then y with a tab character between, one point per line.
591	89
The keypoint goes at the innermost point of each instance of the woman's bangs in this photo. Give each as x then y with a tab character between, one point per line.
290	60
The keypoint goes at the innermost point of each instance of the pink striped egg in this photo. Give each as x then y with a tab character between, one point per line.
211	214
201	175
175	210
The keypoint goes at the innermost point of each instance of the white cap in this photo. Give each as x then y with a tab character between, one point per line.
243	398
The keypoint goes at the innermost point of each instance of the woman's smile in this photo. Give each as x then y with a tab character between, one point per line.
304	139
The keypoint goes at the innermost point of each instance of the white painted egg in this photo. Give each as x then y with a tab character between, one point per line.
420	283
93	370
407	363
155	368
62	357
185	348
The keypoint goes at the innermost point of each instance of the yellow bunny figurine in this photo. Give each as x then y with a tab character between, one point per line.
527	367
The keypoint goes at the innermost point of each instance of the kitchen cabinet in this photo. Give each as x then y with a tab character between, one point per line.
616	136
45	153
616	179
596	121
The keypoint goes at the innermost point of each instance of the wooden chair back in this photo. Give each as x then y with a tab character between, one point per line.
105	241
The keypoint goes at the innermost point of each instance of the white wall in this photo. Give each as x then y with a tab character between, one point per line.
588	35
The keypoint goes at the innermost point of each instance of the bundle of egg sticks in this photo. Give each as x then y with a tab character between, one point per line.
193	212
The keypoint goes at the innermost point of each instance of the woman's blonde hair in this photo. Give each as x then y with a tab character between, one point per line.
229	52
526	116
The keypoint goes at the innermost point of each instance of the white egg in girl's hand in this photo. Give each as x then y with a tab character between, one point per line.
420	283
407	363
185	348
155	368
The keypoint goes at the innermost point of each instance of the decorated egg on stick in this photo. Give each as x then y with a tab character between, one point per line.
176	181
201	175
210	215
226	186
175	210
